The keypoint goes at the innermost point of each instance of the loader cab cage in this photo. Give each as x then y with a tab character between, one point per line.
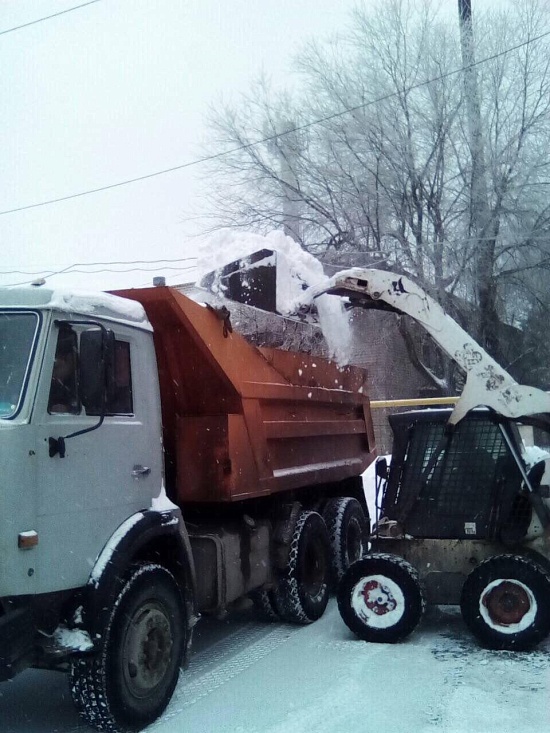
459	484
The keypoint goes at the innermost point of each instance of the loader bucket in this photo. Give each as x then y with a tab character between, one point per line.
251	280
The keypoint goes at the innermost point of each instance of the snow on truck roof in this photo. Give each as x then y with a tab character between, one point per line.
84	304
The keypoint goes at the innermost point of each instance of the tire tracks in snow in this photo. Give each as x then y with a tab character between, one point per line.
223	661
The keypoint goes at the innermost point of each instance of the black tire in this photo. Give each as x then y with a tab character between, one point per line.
380	598
302	593
129	682
506	602
348	531
264	602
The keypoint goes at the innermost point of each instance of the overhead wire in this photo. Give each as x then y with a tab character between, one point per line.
275	136
48	17
95	264
72	269
99	272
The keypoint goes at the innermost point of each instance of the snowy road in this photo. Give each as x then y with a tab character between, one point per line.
251	677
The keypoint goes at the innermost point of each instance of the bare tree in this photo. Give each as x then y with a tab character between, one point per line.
376	161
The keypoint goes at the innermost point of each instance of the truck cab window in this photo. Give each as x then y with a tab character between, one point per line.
63	389
17	334
121	402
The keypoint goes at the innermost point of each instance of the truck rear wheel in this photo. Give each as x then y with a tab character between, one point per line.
380	598
348	531
129	682
506	602
264	602
302	593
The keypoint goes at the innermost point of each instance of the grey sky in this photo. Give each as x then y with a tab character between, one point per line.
117	90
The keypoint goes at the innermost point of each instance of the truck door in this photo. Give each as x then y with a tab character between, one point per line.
108	473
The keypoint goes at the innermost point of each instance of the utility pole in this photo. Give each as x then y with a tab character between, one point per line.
482	227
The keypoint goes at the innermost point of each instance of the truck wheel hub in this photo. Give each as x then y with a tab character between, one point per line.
147	650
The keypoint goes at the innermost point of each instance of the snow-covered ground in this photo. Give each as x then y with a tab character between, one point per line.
247	676
253	677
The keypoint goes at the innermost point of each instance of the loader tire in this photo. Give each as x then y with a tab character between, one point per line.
505	602
348	531
380	598
128	683
302	592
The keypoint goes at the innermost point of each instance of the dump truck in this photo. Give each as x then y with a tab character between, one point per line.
157	468
462	514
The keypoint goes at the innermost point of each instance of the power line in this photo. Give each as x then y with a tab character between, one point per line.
270	138
48	17
96	264
99	272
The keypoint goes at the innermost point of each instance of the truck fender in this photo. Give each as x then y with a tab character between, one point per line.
149	535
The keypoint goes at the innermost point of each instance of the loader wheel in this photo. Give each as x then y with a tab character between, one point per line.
506	602
129	682
302	593
348	531
380	598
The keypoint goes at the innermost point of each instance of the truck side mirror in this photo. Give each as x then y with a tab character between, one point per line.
96	373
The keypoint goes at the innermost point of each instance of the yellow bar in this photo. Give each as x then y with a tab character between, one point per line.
425	401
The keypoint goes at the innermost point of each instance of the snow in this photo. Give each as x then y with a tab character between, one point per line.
100	304
107	552
296	271
252	677
82	302
75	639
162	503
532	455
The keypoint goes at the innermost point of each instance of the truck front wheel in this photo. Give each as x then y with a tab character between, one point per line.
302	592
129	682
505	602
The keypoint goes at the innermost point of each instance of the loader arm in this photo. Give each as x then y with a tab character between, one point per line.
487	383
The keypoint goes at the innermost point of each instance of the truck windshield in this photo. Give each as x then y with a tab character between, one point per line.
17	333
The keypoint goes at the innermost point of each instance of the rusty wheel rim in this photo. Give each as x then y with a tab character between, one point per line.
508	604
378	601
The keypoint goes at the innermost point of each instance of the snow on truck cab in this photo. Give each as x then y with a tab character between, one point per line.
156	467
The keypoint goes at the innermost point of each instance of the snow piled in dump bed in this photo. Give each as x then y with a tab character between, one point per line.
297	271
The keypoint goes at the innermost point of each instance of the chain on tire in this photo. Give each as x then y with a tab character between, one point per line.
302	593
127	684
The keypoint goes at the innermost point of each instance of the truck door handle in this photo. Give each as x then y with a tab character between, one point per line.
138	471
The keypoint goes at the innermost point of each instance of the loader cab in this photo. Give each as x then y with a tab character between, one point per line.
464	483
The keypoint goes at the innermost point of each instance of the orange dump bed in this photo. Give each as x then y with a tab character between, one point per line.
241	422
